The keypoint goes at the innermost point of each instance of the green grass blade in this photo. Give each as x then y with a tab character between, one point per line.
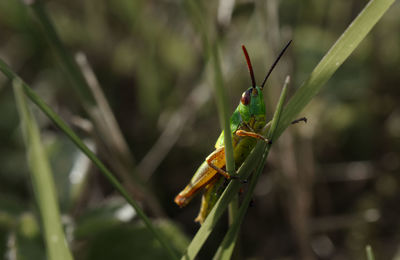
369	252
78	142
227	246
344	46
223	109
278	111
211	48
42	181
335	57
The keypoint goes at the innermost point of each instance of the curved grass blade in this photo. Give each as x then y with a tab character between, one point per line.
335	57
78	142
339	52
42	181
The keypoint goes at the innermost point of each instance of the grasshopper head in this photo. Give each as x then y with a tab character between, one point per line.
252	101
252	107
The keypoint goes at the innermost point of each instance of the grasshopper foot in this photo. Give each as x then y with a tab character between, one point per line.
251	203
299	120
242	181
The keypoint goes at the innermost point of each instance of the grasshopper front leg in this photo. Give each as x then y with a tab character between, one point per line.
252	134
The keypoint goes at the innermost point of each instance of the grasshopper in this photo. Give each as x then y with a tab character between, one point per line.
246	124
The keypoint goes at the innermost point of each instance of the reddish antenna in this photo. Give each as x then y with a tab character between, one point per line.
253	81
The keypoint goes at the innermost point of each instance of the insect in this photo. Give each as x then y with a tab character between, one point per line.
246	124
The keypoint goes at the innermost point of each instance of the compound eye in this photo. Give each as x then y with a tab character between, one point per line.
246	96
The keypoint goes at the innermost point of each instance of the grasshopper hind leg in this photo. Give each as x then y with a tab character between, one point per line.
218	155
212	193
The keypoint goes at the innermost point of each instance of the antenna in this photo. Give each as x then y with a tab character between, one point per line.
274	64
253	81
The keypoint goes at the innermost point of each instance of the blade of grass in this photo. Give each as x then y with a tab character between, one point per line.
118	152
110	125
370	254
225	249
78	142
223	110
223	113
334	58
347	42
211	48
42	181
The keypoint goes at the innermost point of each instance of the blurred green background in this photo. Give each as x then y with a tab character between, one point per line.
330	186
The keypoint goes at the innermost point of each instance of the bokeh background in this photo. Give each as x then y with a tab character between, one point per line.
330	186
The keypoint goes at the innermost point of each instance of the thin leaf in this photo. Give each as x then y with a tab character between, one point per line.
335	57
223	113
223	109
211	48
42	181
